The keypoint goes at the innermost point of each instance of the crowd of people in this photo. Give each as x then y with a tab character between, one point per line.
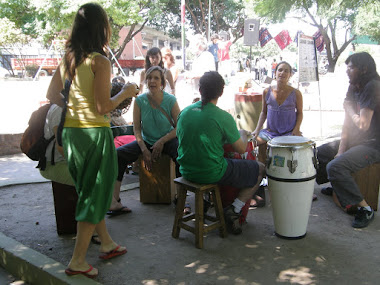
194	137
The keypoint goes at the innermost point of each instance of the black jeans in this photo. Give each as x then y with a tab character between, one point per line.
129	153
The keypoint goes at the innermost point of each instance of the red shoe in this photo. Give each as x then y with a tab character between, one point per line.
113	253
71	272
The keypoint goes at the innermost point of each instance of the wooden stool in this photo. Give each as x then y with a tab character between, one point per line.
199	227
157	186
368	180
65	203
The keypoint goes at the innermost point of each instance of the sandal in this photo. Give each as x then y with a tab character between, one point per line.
120	211
258	200
95	239
113	253
71	272
187	209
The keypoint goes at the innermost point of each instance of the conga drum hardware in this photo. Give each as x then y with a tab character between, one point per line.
291	170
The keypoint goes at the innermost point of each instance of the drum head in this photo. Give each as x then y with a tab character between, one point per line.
286	141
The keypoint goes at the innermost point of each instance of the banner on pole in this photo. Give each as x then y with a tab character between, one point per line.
307	59
264	36
283	39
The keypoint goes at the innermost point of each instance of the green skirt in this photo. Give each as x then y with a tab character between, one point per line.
92	163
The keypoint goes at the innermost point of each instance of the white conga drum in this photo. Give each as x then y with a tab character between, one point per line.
291	170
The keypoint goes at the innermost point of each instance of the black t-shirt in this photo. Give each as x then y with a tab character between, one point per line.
368	97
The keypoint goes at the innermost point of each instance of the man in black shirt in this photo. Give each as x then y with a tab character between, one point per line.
359	145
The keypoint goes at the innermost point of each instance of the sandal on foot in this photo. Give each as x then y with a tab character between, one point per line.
95	239
187	209
71	272
113	253
259	197
121	211
253	204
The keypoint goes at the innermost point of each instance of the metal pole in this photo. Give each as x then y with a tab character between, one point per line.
117	62
183	8
209	19
319	91
250	59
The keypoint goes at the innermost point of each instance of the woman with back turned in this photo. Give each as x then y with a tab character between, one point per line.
87	137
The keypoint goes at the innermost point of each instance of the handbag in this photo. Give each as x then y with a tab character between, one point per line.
65	94
171	121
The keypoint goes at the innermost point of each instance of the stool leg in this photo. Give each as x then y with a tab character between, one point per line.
219	212
199	219
181	192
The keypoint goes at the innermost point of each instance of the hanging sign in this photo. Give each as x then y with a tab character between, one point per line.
307	59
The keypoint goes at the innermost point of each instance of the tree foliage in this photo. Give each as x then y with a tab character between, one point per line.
12	41
368	21
46	20
326	15
226	15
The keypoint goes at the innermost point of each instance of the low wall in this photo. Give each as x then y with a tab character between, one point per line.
10	144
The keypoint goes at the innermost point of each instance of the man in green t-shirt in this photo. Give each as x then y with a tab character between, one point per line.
202	130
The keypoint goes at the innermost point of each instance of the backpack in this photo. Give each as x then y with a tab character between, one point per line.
33	142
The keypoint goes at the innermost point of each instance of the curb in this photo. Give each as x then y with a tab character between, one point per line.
34	267
22	183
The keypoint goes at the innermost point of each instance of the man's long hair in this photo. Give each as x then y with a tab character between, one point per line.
91	32
366	64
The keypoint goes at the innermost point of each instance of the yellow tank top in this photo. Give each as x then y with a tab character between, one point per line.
81	110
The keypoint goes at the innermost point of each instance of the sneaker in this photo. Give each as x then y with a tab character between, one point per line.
232	220
362	218
327	191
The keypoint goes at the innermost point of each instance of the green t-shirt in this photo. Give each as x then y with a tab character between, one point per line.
201	133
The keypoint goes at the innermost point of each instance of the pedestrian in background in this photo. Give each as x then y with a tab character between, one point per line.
154	58
214	48
273	67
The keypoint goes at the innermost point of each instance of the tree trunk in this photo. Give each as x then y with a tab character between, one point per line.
332	65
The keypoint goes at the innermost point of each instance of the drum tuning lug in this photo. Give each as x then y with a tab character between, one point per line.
315	157
269	161
292	165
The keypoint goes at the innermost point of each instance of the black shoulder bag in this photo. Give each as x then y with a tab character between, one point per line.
65	94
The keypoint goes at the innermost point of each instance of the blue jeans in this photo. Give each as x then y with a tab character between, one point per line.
339	172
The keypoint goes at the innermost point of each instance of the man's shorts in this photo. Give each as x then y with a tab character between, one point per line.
240	173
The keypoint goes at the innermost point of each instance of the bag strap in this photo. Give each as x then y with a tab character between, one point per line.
171	121
52	161
42	162
65	94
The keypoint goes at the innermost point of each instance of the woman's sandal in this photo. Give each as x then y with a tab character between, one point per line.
187	209
95	239
71	272
258	200
120	211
